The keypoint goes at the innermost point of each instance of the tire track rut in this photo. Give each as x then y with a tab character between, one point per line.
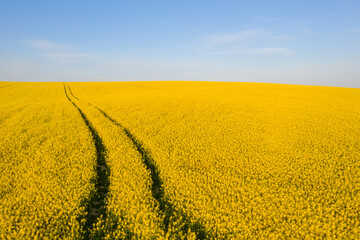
71	92
166	208
97	202
7	85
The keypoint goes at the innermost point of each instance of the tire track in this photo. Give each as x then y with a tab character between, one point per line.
157	189
7	85
97	202
71	92
166	208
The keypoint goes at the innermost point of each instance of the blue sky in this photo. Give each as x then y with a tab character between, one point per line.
296	42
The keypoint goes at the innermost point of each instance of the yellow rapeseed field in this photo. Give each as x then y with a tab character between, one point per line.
47	163
179	160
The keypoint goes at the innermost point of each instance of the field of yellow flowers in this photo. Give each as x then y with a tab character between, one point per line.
179	160
47	163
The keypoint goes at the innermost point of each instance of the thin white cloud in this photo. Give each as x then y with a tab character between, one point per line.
72	55
259	51
250	42
60	52
46	45
231	38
